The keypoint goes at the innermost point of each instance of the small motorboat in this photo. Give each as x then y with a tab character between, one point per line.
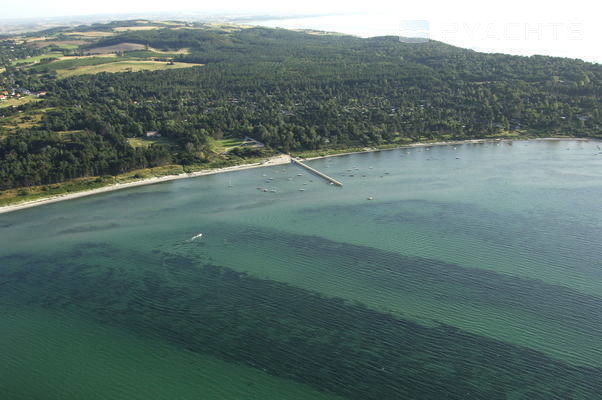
197	236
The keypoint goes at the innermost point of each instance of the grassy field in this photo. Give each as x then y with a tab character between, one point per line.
228	27
73	63
170	23
89	56
154	53
67	133
122	66
220	146
149	55
91	34
146	142
23	120
36	59
18	101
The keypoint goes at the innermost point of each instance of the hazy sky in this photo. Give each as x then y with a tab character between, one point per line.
568	29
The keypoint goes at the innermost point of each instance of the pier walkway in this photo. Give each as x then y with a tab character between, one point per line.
315	172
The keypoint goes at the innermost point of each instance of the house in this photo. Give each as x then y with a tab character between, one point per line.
152	134
2	97
40	94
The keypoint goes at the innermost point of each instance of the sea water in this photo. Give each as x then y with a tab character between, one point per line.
473	272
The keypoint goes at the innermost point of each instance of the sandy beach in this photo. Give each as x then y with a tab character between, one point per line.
276	160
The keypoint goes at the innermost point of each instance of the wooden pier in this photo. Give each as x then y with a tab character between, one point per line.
316	172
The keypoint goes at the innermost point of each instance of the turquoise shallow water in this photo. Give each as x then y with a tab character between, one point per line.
475	272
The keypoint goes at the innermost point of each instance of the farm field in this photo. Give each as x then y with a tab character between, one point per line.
116	48
63	44
37	59
136	28
91	34
123	66
72	63
180	51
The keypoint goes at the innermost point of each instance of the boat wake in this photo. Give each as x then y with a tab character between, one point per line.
200	235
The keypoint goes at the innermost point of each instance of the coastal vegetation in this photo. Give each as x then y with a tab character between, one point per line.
293	91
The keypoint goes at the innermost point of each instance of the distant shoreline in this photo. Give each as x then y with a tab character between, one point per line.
277	160
450	142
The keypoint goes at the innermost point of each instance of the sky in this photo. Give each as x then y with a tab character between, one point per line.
567	29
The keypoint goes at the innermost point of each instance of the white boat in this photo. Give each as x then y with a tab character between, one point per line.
198	236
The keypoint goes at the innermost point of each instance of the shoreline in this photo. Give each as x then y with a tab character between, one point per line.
450	142
276	160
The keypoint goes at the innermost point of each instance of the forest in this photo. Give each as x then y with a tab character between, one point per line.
291	90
